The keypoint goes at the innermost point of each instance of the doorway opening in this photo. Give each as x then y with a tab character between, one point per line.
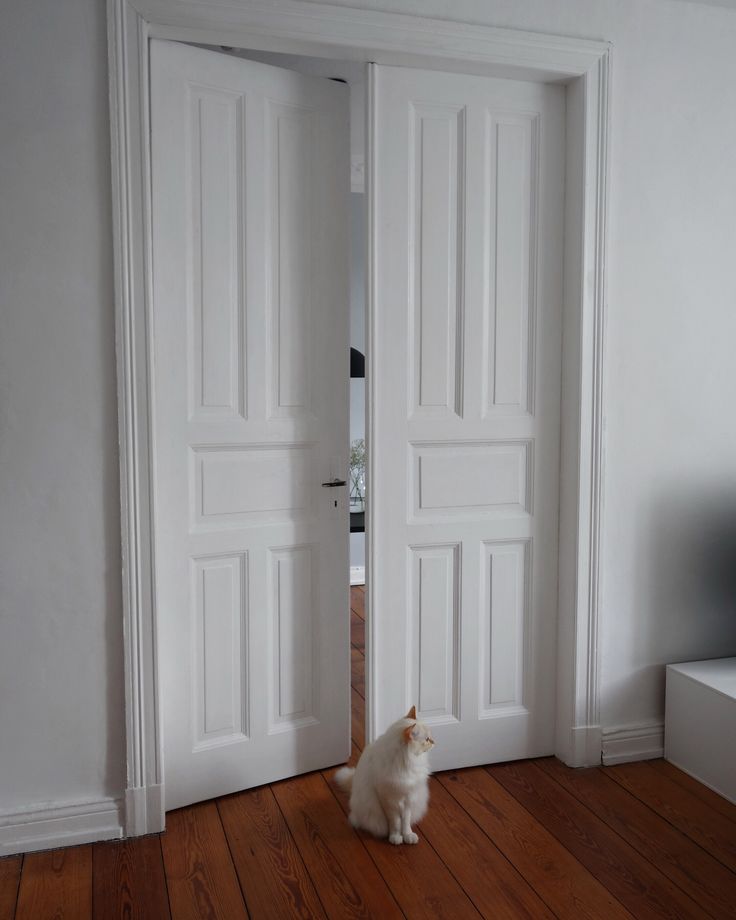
394	41
353	74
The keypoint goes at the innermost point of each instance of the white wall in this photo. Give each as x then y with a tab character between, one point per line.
61	685
671	381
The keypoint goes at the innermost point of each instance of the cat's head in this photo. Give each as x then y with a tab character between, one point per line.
416	734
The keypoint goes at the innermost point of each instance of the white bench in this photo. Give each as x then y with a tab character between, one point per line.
700	722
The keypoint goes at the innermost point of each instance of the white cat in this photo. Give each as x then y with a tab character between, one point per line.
389	787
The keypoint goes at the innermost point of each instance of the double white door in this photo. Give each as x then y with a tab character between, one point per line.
250	354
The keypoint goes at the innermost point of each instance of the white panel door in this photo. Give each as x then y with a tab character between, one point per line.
249	204
468	196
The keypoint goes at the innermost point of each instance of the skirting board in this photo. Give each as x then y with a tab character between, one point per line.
586	746
144	810
60	826
633	742
357	574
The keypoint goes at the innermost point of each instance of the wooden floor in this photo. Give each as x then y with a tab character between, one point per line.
527	839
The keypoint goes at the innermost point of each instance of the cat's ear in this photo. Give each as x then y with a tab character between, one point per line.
412	714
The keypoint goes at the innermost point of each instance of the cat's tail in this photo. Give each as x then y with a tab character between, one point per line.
344	778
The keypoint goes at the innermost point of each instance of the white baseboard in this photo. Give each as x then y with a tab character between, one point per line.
583	748
633	742
45	828
357	574
144	810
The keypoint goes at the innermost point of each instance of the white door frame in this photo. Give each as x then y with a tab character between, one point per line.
350	34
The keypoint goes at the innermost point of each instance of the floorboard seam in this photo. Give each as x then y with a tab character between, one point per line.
360	839
298	850
585	869
498	848
163	869
232	859
630	844
567	849
671	823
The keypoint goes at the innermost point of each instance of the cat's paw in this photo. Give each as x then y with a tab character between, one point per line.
396	839
411	837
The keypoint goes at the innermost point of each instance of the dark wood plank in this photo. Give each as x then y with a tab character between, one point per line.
56	885
357	671
681	808
625	873
419	880
716	801
357	718
9	881
200	874
129	880
348	882
357	601
357	632
567	888
493	885
271	871
707	881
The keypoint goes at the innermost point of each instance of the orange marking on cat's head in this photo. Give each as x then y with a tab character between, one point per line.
412	714
407	733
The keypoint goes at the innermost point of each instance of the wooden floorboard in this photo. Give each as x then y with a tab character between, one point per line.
707	881
348	882
357	722
56	885
201	877
357	671
494	886
357	632
689	814
129	880
10	869
631	878
272	873
562	882
357	600
531	839
712	799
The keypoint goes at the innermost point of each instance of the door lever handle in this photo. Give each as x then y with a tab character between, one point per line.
334	483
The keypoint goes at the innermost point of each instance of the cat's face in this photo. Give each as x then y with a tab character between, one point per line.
417	736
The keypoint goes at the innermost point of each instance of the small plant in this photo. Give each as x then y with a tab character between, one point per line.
357	474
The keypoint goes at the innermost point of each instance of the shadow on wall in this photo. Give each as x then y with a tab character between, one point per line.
686	587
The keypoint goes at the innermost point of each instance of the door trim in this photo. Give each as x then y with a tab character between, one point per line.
386	38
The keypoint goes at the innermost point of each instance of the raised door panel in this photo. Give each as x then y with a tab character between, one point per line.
236	485
472	480
290	152
435	627
504	607
294	689
436	183
216	289
512	152
219	650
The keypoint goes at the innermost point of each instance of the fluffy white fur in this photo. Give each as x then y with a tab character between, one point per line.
389	787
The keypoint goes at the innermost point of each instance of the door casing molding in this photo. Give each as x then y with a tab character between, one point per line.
387	38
